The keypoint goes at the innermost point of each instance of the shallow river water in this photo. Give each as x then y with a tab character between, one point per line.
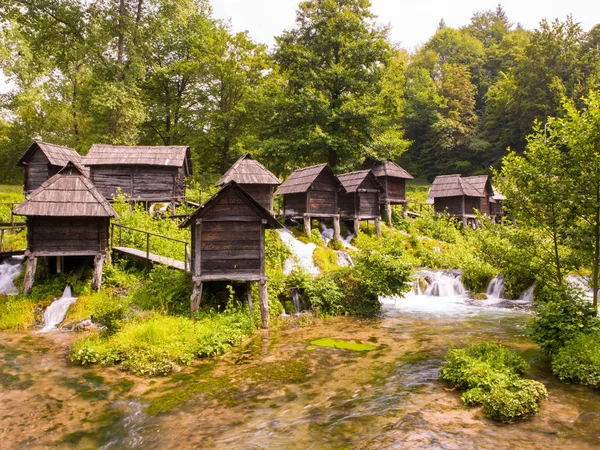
279	391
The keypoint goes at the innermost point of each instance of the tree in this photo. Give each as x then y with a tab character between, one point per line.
333	63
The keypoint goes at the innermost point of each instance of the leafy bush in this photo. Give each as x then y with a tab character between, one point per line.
158	344
477	275
325	296
490	375
579	360
16	313
560	317
325	259
166	290
110	311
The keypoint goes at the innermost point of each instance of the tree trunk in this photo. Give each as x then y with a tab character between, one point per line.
596	249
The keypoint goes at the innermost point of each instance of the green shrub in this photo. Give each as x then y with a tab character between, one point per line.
110	310
325	296
477	275
325	259
559	317
315	237
335	244
579	360
16	313
157	344
490	375
166	290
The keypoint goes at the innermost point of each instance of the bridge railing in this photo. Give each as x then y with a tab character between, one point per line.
148	235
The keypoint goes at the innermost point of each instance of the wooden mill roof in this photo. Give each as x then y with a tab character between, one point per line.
57	155
480	182
247	170
452	186
352	180
302	179
125	155
69	193
386	169
260	210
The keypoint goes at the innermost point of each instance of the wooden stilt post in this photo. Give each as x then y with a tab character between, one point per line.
263	293
307	224
378	227
59	264
196	298
388	212
29	274
249	294
98	264
336	228
404	210
356	225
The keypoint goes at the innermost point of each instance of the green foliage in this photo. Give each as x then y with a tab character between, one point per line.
157	345
559	317
325	296
477	274
166	290
579	360
490	375
16	313
325	259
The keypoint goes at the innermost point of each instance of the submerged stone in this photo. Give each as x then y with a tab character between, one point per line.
346	345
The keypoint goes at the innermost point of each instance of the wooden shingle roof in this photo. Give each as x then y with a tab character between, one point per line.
452	186
302	179
480	182
69	193
386	169
125	155
241	192
57	155
247	170
352	180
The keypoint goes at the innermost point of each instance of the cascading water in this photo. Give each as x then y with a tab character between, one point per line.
344	259
9	270
327	235
303	254
440	283
496	288
527	295
56	312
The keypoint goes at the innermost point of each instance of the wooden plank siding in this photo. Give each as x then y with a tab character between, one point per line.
67	235
262	193
294	205
143	182
395	190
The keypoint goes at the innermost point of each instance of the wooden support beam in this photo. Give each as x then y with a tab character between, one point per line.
336	229
388	212
196	298
404	210
29	274
59	264
378	227
263	294
307	224
356	225
249	294
98	265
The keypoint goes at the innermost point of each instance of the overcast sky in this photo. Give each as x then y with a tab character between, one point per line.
412	22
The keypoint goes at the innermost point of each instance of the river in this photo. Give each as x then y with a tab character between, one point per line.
279	391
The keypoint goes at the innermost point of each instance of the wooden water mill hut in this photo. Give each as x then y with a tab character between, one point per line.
361	199
43	160
456	196
228	243
66	216
312	192
254	178
484	185
150	173
393	179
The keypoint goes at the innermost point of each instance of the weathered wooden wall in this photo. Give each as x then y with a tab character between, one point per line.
64	235
294	204
37	170
452	205
322	196
471	204
145	182
395	189
262	193
228	241
484	205
347	204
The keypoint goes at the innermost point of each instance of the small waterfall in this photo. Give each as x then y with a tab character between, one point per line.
439	283
344	259
496	287
56	312
326	233
296	300
9	270
302	253
527	295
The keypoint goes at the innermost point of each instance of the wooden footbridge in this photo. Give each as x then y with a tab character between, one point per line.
145	255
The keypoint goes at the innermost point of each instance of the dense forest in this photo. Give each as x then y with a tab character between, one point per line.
333	89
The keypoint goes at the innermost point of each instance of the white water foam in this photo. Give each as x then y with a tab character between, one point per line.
56	312
302	254
9	270
496	288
